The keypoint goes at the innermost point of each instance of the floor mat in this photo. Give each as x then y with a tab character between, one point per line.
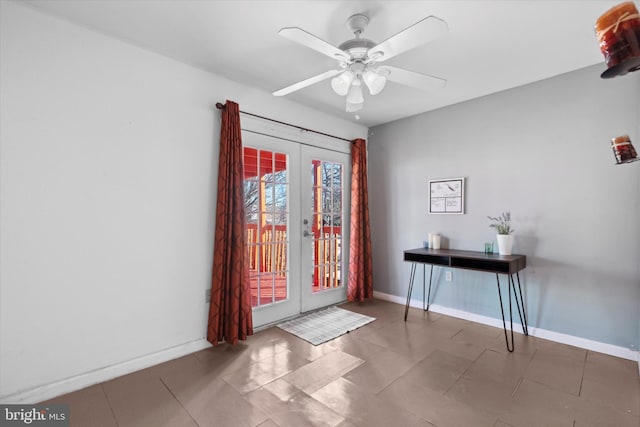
324	325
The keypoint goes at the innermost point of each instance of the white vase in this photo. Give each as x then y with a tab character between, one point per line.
505	243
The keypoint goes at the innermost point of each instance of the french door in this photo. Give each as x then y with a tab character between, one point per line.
325	195
297	217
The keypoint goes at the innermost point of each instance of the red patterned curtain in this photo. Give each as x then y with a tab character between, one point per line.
360	264
230	310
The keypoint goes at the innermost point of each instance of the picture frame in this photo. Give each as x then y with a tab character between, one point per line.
446	196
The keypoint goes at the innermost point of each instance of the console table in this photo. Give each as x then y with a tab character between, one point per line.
472	260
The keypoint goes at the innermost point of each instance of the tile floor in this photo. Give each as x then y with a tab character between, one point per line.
432	370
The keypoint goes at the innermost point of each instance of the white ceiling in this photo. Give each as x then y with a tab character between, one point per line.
491	45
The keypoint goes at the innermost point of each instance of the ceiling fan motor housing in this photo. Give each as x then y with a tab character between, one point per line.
357	48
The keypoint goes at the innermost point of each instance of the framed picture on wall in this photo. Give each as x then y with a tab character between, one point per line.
446	196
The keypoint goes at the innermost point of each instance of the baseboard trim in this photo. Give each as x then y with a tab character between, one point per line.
49	391
68	385
587	344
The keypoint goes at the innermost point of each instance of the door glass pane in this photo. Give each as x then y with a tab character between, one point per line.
326	214
266	195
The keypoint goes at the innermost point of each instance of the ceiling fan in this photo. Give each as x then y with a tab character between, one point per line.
358	59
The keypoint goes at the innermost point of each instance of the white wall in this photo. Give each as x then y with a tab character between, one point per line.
543	152
108	173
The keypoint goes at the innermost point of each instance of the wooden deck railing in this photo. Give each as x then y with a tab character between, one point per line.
268	253
327	258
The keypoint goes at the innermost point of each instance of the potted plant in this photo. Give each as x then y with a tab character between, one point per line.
502	224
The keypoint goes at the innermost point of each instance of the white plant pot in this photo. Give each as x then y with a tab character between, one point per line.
505	243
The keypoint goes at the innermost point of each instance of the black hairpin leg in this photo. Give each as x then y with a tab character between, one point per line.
429	294
520	302
412	275
424	272
504	325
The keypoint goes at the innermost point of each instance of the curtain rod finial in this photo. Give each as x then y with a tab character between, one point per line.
219	105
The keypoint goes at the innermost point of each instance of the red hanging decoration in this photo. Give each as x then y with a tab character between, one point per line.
618	31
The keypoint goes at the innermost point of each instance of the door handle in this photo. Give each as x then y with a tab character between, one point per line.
305	232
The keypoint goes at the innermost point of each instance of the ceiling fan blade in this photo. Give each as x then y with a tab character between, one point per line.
418	34
299	35
308	82
413	79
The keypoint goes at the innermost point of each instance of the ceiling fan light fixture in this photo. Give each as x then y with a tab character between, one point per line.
355	95
353	107
341	83
374	81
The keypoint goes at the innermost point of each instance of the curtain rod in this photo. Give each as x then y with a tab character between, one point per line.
220	106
